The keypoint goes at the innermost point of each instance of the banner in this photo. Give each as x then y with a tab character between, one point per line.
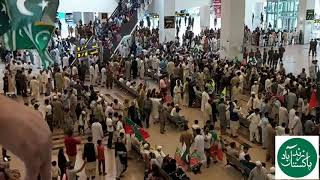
217	8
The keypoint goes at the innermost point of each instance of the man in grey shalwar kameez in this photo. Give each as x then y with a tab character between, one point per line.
222	108
258	173
127	66
291	100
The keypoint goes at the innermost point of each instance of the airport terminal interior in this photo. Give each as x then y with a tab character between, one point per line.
158	89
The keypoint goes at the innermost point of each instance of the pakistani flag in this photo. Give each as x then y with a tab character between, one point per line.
31	24
133	128
32	36
25	12
4	18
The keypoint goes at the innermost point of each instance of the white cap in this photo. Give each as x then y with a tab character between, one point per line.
253	93
258	163
159	147
272	170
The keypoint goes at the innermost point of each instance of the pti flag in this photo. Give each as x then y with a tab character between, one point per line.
132	128
28	24
315	94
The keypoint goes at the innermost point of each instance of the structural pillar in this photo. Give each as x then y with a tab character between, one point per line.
305	26
232	28
166	13
205	17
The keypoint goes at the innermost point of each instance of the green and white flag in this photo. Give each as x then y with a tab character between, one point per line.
32	36
24	12
31	25
4	18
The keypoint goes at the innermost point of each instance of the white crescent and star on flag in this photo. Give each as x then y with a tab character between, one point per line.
23	9
4	9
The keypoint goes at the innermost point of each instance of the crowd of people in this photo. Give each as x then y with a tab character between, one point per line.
190	75
271	37
278	103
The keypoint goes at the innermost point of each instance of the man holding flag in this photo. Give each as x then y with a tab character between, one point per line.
315	94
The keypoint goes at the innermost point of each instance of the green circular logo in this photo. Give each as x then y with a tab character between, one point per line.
297	157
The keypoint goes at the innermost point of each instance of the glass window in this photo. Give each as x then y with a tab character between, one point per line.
282	13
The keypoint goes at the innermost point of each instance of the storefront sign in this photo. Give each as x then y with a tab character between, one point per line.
169	22
310	14
89	48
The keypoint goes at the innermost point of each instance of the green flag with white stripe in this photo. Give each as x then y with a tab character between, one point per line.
4	18
30	25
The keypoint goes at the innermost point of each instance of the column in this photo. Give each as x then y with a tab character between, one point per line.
232	28
304	26
204	17
82	17
166	13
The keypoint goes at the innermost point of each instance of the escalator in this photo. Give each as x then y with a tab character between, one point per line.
126	28
108	46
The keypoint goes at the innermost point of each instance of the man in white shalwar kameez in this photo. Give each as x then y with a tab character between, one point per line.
66	82
207	113
267	85
254	119
74	71
199	145
170	68
295	125
91	72
103	76
204	98
264	124
283	115
43	81
97	132
141	68
96	74
155	109
292	113
35	88
255	87
65	61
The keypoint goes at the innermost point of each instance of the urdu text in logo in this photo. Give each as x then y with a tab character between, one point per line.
297	158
